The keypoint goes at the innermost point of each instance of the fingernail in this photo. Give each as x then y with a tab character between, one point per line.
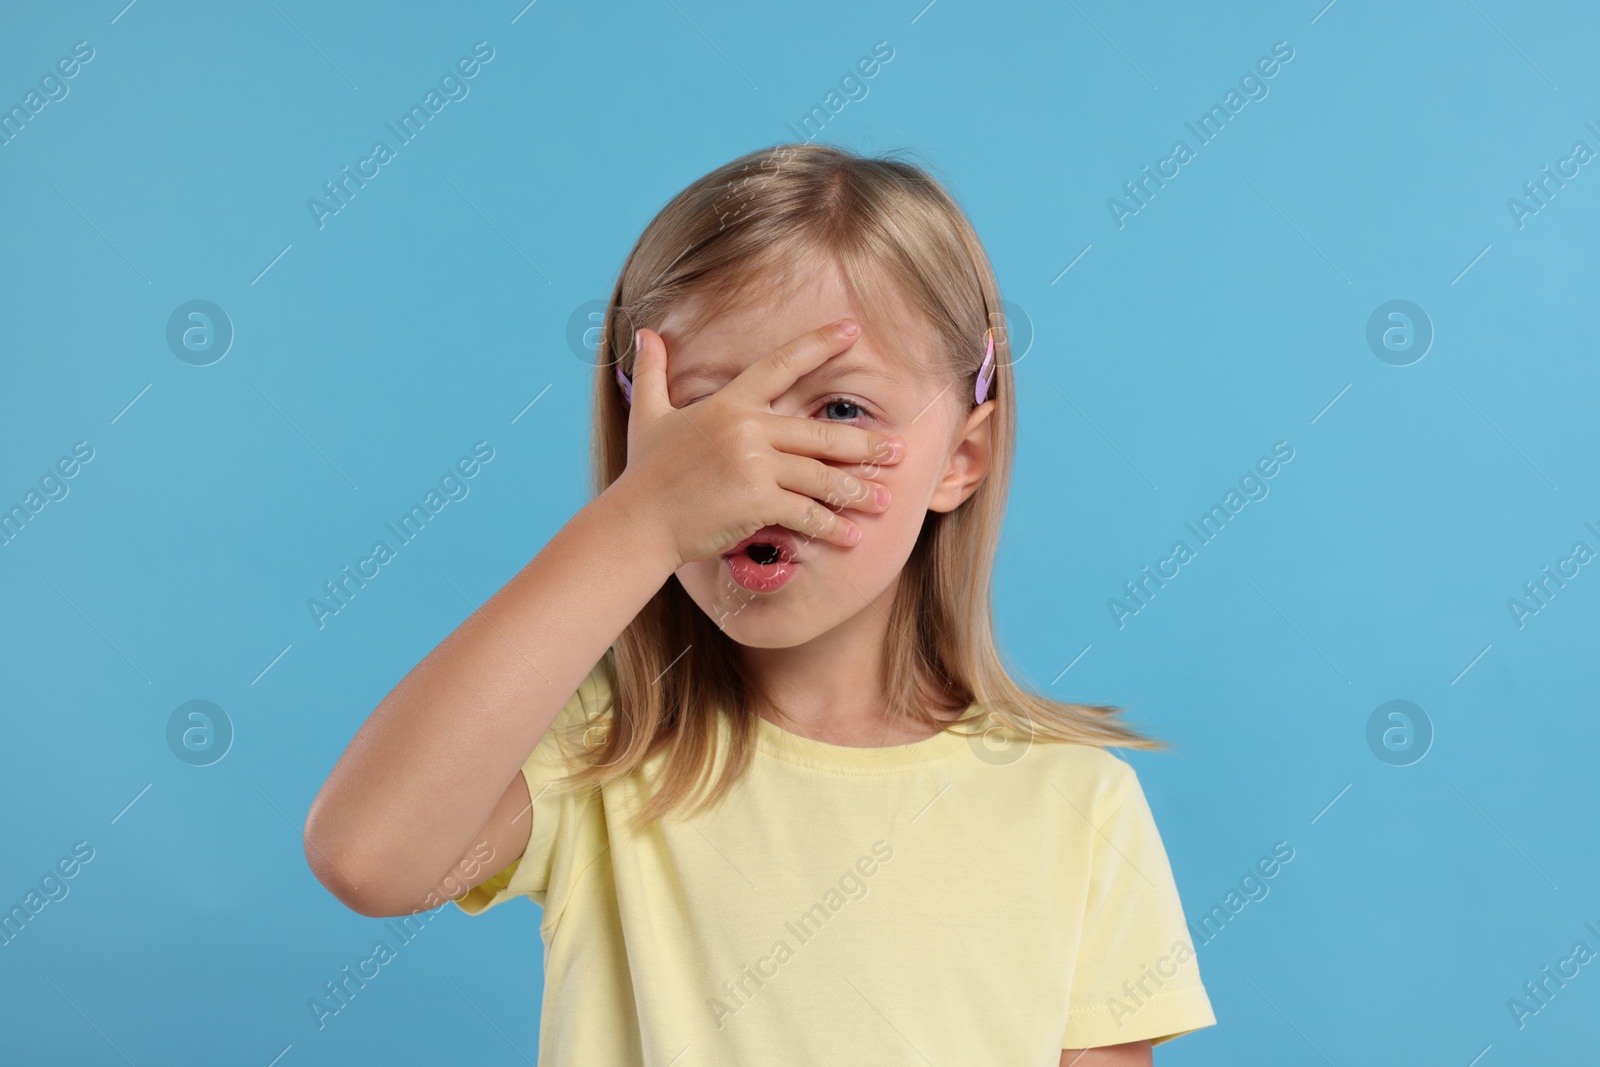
848	328
854	535
881	495
637	344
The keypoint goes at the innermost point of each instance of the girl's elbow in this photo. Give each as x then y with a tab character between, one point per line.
344	870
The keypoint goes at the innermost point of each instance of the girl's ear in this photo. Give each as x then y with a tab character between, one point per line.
968	462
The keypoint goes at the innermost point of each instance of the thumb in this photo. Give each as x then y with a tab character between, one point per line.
650	399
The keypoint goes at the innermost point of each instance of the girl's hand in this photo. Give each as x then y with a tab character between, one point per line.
714	472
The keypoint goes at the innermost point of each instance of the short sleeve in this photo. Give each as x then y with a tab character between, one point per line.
1137	976
558	815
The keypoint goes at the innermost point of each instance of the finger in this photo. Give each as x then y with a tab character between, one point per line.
812	521
650	400
838	441
833	488
771	376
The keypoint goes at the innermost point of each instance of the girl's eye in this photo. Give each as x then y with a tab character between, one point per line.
833	406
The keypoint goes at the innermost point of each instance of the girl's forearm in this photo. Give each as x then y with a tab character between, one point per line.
424	772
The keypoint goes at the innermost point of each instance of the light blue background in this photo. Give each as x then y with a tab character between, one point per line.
1228	314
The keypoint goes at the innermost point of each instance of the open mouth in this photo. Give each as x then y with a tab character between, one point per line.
765	561
764	553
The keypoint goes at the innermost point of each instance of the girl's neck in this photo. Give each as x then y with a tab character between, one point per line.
834	686
839	706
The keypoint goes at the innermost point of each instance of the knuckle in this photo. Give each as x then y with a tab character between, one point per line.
817	519
745	433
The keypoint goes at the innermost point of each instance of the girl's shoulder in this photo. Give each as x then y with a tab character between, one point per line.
1092	777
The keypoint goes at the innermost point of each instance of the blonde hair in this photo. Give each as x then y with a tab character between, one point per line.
892	231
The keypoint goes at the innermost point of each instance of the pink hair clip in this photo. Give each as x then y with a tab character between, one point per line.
986	371
627	386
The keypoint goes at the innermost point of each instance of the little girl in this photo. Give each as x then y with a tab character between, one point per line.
741	728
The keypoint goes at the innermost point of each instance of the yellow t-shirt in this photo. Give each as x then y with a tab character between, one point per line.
951	900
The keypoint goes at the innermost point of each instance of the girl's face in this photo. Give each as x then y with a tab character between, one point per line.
947	451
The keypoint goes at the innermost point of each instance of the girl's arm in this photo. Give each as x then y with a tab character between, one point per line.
431	780
1133	1054
423	786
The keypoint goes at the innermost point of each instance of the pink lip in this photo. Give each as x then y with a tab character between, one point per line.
764	577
